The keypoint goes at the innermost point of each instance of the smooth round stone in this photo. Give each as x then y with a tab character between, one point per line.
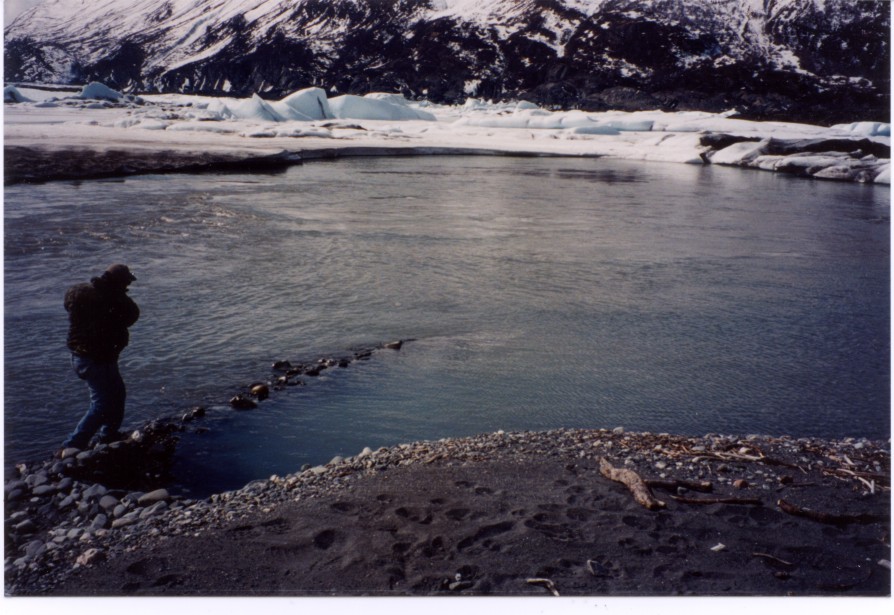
35	548
153	496
25	526
94	491
155	509
99	522
124	522
108	501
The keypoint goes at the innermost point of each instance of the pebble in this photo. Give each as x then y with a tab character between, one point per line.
89	557
99	522
25	527
45	490
153	497
108	501
153	510
126	520
94	491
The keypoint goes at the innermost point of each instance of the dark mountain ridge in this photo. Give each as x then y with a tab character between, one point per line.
821	61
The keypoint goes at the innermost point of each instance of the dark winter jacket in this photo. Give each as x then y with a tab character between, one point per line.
99	314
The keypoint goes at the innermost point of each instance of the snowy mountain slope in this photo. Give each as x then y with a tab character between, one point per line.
769	58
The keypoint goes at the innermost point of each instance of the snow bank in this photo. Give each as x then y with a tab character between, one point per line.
859	151
579	121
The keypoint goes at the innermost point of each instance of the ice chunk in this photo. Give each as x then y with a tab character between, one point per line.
363	108
11	94
99	91
255	108
307	104
739	153
866	129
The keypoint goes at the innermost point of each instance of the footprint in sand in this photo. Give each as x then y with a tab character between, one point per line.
484	534
551	527
414	514
278	525
457	514
325	539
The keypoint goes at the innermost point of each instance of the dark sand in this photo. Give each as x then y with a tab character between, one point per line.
503	514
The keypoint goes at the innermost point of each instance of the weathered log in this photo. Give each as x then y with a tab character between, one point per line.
829	518
638	487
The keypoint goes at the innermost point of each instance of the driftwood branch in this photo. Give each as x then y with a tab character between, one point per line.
638	487
828	518
670	485
773	558
759	458
743	501
547	583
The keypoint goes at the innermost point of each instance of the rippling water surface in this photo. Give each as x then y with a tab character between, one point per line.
541	293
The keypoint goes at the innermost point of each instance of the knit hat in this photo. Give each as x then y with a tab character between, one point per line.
120	274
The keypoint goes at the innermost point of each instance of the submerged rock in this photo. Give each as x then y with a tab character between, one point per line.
240	402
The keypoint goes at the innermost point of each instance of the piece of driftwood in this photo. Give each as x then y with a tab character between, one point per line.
742	501
772	558
760	458
545	583
638	487
828	518
882	480
670	485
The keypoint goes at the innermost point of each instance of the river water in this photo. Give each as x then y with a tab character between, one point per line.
540	293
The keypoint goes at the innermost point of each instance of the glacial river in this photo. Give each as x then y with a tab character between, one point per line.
540	293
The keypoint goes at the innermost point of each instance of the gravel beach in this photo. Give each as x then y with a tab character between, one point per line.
503	514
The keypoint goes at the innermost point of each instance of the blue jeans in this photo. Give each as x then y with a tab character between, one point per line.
107	395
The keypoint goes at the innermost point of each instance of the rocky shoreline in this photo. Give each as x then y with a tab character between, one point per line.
64	533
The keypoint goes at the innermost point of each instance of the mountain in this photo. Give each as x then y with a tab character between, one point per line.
810	60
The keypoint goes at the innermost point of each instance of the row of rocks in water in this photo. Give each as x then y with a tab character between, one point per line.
56	524
286	374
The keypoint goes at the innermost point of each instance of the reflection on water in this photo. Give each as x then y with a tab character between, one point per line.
542	293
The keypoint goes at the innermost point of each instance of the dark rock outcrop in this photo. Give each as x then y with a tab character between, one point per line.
789	59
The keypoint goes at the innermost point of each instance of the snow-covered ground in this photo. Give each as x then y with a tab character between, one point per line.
307	121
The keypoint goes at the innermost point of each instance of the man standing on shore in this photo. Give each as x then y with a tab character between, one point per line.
100	313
